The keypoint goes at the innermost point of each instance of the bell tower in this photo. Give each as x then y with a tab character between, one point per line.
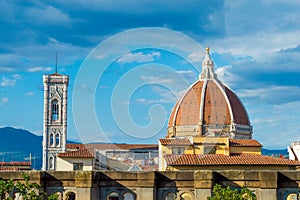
55	118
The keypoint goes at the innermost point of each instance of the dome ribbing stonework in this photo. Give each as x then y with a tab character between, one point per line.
209	108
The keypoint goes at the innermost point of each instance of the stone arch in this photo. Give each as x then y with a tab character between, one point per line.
54	110
70	196
57	139
113	196
51	162
51	139
292	196
186	195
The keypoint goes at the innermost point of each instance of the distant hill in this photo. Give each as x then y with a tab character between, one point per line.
275	153
18	144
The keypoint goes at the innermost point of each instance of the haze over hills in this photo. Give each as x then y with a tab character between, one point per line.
18	144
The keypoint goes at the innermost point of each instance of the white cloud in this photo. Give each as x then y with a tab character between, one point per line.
195	57
3	101
138	57
272	94
6	82
227	77
276	126
51	39
6	69
46	15
38	69
29	93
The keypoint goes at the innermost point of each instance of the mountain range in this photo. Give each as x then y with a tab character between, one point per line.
19	145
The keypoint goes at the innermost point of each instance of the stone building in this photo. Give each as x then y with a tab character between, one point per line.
156	185
208	141
209	128
15	166
209	108
55	118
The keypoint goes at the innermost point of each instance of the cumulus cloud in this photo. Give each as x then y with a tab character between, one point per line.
195	57
38	69
11	81
29	93
3	101
272	94
276	126
139	57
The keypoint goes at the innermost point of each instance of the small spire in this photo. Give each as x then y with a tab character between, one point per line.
207	66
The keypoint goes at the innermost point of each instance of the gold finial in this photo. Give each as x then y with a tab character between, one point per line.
207	49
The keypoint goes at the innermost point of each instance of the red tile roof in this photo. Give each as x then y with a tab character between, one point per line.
112	146
82	153
235	159
14	163
87	150
244	143
175	142
216	108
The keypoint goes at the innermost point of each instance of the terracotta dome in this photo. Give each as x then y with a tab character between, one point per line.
209	108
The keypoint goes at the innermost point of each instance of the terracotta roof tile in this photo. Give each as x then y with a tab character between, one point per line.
112	146
240	115
216	110
87	150
174	142
235	159
14	163
244	143
82	153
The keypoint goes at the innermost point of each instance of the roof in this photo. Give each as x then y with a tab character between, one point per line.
244	143
234	159
112	146
15	163
175	142
82	153
216	107
55	74
87	150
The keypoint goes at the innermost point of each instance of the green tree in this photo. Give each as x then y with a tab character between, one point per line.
225	193
28	191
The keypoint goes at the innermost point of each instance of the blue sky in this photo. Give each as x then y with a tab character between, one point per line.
255	46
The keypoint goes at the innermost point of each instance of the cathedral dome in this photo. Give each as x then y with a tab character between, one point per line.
209	108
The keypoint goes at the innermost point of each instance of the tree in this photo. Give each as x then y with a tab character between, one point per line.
28	191
225	193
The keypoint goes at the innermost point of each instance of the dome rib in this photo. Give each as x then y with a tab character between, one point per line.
203	92
221	87
209	108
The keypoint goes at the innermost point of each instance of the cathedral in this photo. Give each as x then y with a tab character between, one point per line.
208	128
208	141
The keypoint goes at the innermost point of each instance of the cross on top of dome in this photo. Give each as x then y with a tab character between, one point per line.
208	67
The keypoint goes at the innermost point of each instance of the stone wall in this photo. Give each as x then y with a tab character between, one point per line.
94	185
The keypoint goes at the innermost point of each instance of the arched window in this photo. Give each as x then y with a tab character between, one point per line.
186	196
57	140
128	196
55	109
51	162
71	196
113	196
51	139
292	196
